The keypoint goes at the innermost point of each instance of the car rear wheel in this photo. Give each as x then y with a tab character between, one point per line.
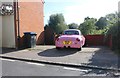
79	49
57	48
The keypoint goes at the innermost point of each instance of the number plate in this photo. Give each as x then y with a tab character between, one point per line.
66	42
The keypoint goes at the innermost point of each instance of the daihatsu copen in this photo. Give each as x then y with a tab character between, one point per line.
71	38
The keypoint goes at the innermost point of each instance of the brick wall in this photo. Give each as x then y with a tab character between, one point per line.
94	40
32	19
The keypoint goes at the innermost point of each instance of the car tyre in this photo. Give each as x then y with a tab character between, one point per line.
80	49
57	48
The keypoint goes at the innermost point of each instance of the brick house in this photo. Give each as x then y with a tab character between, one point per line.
27	17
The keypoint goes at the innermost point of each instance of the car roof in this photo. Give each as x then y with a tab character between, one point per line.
72	30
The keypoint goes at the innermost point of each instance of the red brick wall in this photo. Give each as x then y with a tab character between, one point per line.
94	40
32	19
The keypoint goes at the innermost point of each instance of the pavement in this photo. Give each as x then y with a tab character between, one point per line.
99	57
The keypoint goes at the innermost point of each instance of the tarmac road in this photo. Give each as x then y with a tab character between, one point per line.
22	68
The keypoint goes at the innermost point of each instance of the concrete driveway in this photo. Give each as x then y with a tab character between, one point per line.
98	56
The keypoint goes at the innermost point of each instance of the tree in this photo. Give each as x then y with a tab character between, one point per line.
105	23
57	23
87	18
112	18
88	26
114	30
101	23
112	22
73	26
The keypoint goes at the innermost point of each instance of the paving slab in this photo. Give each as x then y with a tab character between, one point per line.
97	56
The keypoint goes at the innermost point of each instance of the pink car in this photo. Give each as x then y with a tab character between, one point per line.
71	38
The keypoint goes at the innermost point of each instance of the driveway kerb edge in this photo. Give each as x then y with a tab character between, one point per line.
58	63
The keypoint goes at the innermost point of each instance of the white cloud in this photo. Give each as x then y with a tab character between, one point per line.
92	8
79	9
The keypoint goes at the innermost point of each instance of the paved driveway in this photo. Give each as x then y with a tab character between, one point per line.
96	56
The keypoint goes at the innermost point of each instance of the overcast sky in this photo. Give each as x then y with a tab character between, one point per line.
76	10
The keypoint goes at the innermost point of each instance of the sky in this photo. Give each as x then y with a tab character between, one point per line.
75	11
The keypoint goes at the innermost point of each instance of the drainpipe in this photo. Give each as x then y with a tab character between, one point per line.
18	19
15	25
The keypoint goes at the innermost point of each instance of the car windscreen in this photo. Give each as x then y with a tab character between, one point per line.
71	33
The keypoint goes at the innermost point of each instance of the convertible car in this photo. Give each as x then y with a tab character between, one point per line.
71	38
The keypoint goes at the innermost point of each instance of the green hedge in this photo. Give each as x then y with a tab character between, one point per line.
115	32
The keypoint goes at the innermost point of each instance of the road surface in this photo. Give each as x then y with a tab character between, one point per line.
23	68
